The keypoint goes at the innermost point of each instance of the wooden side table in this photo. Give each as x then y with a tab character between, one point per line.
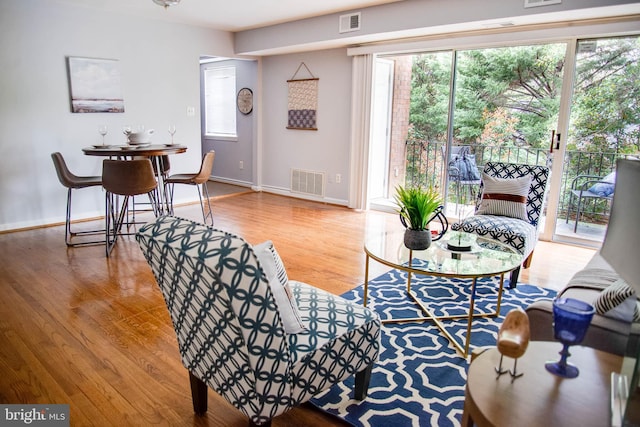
539	398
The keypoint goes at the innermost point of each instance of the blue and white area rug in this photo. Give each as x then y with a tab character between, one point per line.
419	379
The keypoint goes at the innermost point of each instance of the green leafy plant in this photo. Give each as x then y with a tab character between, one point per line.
417	205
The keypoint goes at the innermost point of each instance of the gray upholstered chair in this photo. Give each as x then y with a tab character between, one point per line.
520	233
239	330
611	279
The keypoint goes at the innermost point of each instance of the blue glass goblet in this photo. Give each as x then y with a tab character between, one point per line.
571	318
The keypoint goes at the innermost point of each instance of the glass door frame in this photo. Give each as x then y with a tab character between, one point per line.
559	146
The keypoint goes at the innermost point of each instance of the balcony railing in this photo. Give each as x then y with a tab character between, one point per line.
425	166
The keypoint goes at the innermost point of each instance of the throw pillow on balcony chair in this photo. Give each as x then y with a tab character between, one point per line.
606	186
504	196
273	268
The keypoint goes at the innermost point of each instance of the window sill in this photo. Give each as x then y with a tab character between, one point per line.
221	138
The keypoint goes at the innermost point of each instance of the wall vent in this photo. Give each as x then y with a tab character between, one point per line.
536	3
307	182
350	22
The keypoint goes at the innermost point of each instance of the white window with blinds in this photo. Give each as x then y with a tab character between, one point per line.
220	102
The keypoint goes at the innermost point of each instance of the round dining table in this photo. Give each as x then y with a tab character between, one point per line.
153	151
123	151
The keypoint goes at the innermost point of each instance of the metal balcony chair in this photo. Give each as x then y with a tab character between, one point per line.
582	187
126	178
197	179
520	234
223	298
75	182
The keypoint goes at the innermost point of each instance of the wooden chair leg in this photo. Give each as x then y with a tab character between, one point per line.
198	394
527	261
362	382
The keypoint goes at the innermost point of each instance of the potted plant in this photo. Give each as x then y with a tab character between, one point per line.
417	207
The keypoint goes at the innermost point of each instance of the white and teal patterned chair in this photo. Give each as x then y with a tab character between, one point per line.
230	330
519	233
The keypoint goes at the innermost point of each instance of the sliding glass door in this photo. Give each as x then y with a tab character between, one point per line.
604	125
570	105
470	107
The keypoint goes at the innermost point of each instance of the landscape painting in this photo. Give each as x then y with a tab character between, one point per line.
95	85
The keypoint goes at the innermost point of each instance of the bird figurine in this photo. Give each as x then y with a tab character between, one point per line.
513	340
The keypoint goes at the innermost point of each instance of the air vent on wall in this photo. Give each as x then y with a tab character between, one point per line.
350	22
307	182
535	3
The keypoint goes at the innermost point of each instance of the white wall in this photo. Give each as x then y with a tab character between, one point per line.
325	150
160	79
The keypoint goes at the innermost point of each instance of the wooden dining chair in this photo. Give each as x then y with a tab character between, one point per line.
74	182
126	178
197	179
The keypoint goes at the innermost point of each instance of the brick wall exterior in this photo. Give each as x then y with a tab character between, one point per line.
399	121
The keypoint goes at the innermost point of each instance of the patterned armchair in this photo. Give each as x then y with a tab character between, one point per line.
521	234
230	328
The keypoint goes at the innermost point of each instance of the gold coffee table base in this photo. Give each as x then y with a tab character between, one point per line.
461	348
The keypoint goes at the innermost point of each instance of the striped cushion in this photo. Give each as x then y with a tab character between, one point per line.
504	196
618	301
273	268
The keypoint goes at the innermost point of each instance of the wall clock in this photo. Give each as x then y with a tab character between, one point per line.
245	100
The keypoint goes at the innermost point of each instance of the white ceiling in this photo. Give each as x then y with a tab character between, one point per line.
228	15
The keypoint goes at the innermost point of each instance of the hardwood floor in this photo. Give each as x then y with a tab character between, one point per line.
78	328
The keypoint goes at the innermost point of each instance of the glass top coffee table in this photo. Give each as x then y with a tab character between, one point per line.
486	258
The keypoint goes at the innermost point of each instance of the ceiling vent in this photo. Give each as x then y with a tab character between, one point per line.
536	3
350	22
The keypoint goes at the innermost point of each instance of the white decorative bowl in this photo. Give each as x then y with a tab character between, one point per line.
136	138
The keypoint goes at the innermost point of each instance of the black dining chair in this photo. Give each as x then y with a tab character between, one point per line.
74	182
197	179
126	178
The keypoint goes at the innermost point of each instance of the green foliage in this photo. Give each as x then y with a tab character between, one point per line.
511	96
507	102
417	205
429	109
605	113
514	88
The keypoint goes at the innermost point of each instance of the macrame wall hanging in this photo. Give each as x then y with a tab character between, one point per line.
303	101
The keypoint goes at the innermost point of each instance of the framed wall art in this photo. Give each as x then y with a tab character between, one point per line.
94	85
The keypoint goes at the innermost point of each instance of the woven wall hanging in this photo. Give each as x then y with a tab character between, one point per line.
303	101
